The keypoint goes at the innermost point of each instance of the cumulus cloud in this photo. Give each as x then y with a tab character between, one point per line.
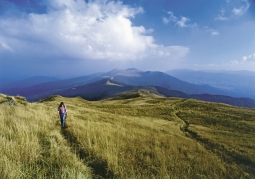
83	30
249	58
183	22
245	60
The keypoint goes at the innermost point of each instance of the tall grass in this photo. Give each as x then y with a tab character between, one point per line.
141	137
226	129
31	145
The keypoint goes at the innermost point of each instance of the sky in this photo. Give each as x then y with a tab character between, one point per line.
68	38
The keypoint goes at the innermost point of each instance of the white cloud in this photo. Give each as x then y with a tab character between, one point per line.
182	22
245	63
166	20
171	17
233	9
5	46
215	32
76	29
249	58
245	60
174	52
231	65
237	11
221	16
242	9
211	31
179	21
234	62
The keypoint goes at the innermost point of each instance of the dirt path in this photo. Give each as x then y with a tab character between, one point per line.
219	150
99	166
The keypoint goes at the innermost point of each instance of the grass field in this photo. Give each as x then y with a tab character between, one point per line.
143	136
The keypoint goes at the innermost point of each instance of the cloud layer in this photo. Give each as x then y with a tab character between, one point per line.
97	30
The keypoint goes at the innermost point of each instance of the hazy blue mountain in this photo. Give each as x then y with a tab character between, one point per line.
236	83
149	78
106	88
103	85
24	83
42	90
101	89
241	102
171	93
4	81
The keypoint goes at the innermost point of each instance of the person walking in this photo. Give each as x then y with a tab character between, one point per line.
62	111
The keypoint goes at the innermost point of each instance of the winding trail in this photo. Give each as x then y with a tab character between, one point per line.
99	166
217	149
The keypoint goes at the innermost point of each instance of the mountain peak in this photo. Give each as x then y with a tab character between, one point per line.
129	72
132	69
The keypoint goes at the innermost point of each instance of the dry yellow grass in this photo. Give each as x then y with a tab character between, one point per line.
31	145
142	137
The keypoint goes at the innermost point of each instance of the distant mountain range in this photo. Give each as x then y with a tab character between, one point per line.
236	83
8	83
104	85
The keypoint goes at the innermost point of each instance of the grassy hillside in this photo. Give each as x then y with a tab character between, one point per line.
135	135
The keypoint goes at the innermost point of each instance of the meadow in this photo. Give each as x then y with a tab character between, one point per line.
135	135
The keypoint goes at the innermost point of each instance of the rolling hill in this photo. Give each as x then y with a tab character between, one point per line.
132	135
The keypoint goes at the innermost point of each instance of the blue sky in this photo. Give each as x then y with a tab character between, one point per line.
66	38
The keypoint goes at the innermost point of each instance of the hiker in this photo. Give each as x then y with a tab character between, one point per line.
62	113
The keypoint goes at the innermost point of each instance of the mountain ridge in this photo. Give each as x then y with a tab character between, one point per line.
242	82
104	85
